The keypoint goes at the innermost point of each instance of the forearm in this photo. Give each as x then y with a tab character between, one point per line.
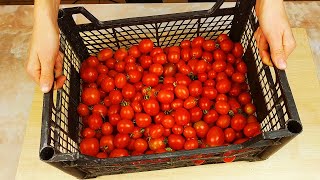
262	4
46	9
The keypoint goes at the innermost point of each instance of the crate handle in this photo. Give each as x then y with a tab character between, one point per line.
216	6
68	12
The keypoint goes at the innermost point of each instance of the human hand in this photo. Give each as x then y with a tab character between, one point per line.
45	61
274	32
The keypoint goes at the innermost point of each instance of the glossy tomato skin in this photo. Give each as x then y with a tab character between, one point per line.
223	86
195	114
89	146
181	92
238	122
150	79
176	103
197	42
106	143
89	74
222	107
107	128
143	120
90	96
185	44
100	109
125	126
181	116
201	128
145	46
119	153
95	121
237	50
211	116
251	129
226	45
88	133
151	107
83	110
165	96
121	140
219	55
229	135
209	45
176	141
191	144
215	136
157	143
105	54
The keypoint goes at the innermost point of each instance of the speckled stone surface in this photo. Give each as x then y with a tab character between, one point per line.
17	89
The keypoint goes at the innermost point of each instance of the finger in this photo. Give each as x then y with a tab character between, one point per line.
58	65
257	36
277	52
289	42
266	59
33	67
264	51
46	76
59	82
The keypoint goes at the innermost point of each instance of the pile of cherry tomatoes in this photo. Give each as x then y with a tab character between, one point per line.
146	99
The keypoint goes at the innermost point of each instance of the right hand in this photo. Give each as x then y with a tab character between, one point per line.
45	61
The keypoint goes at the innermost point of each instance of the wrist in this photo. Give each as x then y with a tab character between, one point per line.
46	10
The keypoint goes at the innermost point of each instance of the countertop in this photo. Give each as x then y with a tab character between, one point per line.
17	90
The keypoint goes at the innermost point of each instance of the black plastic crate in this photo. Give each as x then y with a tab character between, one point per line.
60	133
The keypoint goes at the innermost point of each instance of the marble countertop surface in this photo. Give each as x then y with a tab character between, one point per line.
17	89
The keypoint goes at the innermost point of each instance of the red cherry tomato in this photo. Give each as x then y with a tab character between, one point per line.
195	114
145	46
176	103
237	50
176	141
143	120
252	129
201	128
105	54
181	91
115	97
223	86
238	122
181	116
89	146
95	121
100	109
226	45
165	96
83	110
222	107
215	136
88	133
211	116
89	74
151	107
197	42
121	140
229	135
219	55
209	45
168	121
118	153
222	37
185	44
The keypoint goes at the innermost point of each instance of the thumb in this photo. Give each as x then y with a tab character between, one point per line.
46	76
277	51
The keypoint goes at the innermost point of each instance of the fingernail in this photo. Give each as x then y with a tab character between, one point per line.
45	88
282	64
